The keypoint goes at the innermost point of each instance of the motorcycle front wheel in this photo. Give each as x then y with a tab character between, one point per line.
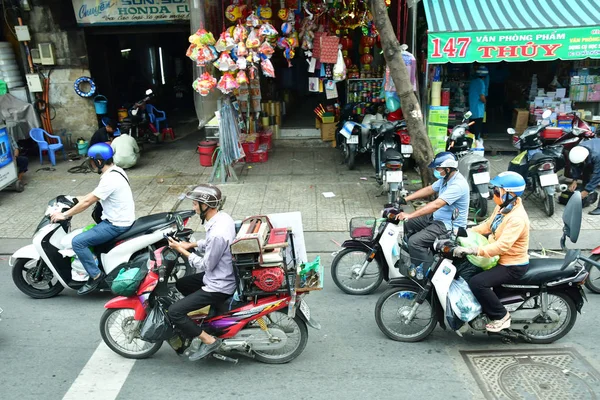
391	312
346	266
593	281
121	334
297	337
35	279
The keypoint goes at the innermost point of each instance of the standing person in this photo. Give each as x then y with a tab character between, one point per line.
508	235
215	280
126	149
22	161
118	211
477	100
434	220
585	164
104	134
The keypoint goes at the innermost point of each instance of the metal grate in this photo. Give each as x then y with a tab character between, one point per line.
551	374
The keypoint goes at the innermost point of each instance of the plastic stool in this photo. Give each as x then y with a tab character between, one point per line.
168	131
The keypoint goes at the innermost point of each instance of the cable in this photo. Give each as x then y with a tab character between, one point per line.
6	20
83	168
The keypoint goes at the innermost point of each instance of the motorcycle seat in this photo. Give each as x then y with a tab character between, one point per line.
542	270
392	155
539	157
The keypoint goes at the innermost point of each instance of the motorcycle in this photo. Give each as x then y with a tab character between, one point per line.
593	281
137	123
47	266
371	255
266	328
354	141
388	159
543	304
474	167
537	163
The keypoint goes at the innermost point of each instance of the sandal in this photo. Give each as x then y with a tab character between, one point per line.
499	324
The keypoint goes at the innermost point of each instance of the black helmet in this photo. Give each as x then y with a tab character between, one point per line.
206	194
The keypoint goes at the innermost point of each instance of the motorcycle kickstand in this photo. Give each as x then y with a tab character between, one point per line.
225	358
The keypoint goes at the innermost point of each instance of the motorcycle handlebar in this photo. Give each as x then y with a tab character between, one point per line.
161	274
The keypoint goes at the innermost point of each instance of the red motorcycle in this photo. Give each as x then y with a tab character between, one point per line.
267	329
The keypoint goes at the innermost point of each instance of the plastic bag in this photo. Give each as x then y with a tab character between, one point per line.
127	281
157	326
476	240
339	69
463	301
451	318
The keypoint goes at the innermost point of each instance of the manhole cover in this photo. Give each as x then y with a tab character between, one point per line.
551	374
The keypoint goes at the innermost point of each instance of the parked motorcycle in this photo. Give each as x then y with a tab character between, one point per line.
543	303
537	163
354	141
388	159
474	167
267	328
373	253
47	266
137	123
593	281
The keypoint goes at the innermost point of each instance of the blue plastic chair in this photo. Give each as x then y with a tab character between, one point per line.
39	136
154	118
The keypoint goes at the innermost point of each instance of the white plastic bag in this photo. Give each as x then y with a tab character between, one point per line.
339	69
464	303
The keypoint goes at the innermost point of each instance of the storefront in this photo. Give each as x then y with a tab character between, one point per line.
539	55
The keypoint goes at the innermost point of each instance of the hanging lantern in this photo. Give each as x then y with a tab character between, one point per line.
346	43
347	61
367	41
366	59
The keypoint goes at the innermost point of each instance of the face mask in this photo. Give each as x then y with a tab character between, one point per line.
437	174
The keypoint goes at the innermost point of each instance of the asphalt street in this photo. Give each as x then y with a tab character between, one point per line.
51	349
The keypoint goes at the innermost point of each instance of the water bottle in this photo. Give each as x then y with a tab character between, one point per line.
420	274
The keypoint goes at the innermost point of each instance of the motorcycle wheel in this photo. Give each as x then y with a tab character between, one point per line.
291	326
114	326
593	281
22	274
341	273
350	156
480	205
549	204
390	317
570	313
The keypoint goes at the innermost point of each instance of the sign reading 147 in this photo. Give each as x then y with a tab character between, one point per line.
453	47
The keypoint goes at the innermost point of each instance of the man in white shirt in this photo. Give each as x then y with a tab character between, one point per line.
118	211
126	151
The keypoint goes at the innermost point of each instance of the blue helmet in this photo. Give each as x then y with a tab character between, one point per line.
99	154
444	159
510	181
481	71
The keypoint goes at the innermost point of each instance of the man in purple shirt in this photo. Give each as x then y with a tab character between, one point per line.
215	280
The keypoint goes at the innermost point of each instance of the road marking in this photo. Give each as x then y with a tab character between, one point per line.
102	377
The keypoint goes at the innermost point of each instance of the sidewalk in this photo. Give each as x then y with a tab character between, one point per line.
294	179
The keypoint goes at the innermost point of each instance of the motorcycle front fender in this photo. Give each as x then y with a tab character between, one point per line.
132	303
358	244
28	252
483	190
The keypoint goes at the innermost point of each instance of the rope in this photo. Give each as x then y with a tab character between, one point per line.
83	168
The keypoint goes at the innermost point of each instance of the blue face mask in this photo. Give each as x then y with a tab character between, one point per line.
437	174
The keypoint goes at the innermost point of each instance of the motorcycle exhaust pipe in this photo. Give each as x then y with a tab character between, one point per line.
563	188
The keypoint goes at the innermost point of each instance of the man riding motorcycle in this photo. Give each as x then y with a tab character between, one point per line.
215	280
585	164
433	220
508	235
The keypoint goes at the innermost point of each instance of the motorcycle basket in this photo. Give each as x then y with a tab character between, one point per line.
130	276
363	228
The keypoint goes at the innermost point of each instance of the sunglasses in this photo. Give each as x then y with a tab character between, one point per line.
496	192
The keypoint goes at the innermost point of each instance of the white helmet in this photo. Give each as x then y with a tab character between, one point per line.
578	154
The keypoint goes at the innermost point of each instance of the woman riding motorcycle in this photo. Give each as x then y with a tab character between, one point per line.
508	235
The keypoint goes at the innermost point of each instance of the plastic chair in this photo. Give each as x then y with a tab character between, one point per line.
39	136
154	118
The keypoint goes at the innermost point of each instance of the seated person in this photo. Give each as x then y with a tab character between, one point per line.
215	280
508	235
22	161
127	151
104	134
434	220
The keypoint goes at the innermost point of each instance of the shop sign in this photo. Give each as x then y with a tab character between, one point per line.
125	12
517	45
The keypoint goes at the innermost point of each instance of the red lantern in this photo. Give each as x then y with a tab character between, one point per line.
366	59
367	41
346	43
348	61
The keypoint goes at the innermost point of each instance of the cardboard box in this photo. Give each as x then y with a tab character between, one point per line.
327	130
520	119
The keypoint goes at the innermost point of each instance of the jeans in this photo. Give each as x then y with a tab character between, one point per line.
101	233
481	285
196	298
422	232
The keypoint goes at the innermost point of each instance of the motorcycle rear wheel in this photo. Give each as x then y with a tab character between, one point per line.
340	280
407	294
281	320
21	277
549	204
350	156
140	349
546	337
593	281
480	204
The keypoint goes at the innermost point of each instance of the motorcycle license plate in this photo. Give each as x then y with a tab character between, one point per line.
352	139
406	149
304	309
481	178
548	180
393	176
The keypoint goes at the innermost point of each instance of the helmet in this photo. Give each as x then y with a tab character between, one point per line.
481	71
206	194
444	159
99	154
578	154
510	181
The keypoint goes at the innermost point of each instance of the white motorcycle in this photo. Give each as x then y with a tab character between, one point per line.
371	255
47	266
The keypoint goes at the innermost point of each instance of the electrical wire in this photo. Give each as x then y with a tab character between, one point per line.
4	9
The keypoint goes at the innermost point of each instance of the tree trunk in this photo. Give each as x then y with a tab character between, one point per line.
423	152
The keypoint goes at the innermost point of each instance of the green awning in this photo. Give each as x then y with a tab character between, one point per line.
464	31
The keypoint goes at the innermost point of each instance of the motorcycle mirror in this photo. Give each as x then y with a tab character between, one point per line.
511	131
572	216
546	114
149	92
467	115
179	222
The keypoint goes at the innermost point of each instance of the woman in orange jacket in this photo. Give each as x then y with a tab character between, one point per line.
507	230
